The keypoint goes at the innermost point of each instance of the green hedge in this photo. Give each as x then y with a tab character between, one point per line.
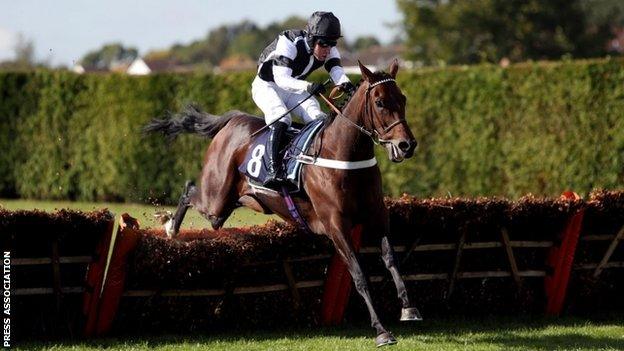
482	130
538	128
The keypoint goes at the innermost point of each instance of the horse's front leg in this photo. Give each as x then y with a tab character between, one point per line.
344	248
408	313
173	222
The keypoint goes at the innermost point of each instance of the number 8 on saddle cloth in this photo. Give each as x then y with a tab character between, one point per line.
256	160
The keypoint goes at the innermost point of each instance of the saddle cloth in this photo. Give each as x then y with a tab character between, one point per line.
255	166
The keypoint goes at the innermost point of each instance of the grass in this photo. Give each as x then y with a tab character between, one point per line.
143	212
508	333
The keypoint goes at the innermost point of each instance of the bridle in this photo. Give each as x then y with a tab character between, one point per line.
373	134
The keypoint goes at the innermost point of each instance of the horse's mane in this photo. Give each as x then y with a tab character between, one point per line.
348	98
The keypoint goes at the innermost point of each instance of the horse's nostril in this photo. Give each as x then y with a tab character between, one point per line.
404	146
414	144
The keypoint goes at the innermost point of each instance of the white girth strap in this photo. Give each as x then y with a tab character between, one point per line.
323	162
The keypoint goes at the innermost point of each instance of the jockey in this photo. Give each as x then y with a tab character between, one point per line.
282	69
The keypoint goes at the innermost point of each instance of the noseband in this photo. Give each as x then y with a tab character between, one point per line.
374	134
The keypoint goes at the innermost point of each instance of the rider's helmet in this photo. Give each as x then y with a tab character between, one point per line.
323	26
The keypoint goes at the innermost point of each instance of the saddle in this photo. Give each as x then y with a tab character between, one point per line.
298	140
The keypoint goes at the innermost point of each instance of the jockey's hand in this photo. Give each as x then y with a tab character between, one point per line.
347	87
316	88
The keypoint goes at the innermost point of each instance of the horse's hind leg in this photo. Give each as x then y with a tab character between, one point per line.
408	313
217	221
183	204
216	211
217	198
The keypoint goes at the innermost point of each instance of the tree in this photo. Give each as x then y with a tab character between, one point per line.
24	55
108	55
214	47
364	42
604	11
243	39
292	22
24	52
470	31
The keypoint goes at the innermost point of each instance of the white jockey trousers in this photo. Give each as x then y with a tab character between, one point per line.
275	101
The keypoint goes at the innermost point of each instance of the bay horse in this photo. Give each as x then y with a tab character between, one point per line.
334	200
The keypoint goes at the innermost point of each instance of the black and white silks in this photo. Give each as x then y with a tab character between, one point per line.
289	59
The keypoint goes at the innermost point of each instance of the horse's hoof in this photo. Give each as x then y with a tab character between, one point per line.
385	339
166	219
163	216
410	314
169	229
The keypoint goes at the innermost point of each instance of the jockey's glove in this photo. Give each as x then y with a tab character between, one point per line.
347	87
316	88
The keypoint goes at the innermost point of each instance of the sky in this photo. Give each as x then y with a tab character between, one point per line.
62	31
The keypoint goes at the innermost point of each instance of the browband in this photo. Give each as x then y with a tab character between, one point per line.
381	82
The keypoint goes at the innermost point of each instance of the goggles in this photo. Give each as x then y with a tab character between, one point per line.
326	42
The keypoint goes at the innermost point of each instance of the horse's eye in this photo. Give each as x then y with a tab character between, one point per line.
379	103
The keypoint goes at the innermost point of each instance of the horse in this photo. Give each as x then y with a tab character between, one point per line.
333	200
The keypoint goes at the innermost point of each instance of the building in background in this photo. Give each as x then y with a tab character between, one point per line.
141	66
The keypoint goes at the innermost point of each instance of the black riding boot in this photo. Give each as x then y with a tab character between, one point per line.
273	148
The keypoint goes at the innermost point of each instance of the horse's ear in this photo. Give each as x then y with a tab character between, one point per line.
366	73
394	67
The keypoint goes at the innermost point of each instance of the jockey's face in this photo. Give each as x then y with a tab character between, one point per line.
321	51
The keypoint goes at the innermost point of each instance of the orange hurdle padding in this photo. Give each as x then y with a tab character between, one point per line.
127	239
338	285
94	280
561	258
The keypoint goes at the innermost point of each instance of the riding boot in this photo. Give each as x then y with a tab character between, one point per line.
273	148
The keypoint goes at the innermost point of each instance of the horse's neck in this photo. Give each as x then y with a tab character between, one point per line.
343	140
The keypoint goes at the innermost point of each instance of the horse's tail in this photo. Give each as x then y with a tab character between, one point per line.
190	120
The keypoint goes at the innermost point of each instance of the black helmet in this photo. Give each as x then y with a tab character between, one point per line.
324	24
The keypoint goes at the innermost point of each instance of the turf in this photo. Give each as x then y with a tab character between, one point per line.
143	212
521	333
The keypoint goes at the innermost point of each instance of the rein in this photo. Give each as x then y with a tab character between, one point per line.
339	114
374	135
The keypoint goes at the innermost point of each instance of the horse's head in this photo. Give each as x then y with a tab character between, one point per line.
385	112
